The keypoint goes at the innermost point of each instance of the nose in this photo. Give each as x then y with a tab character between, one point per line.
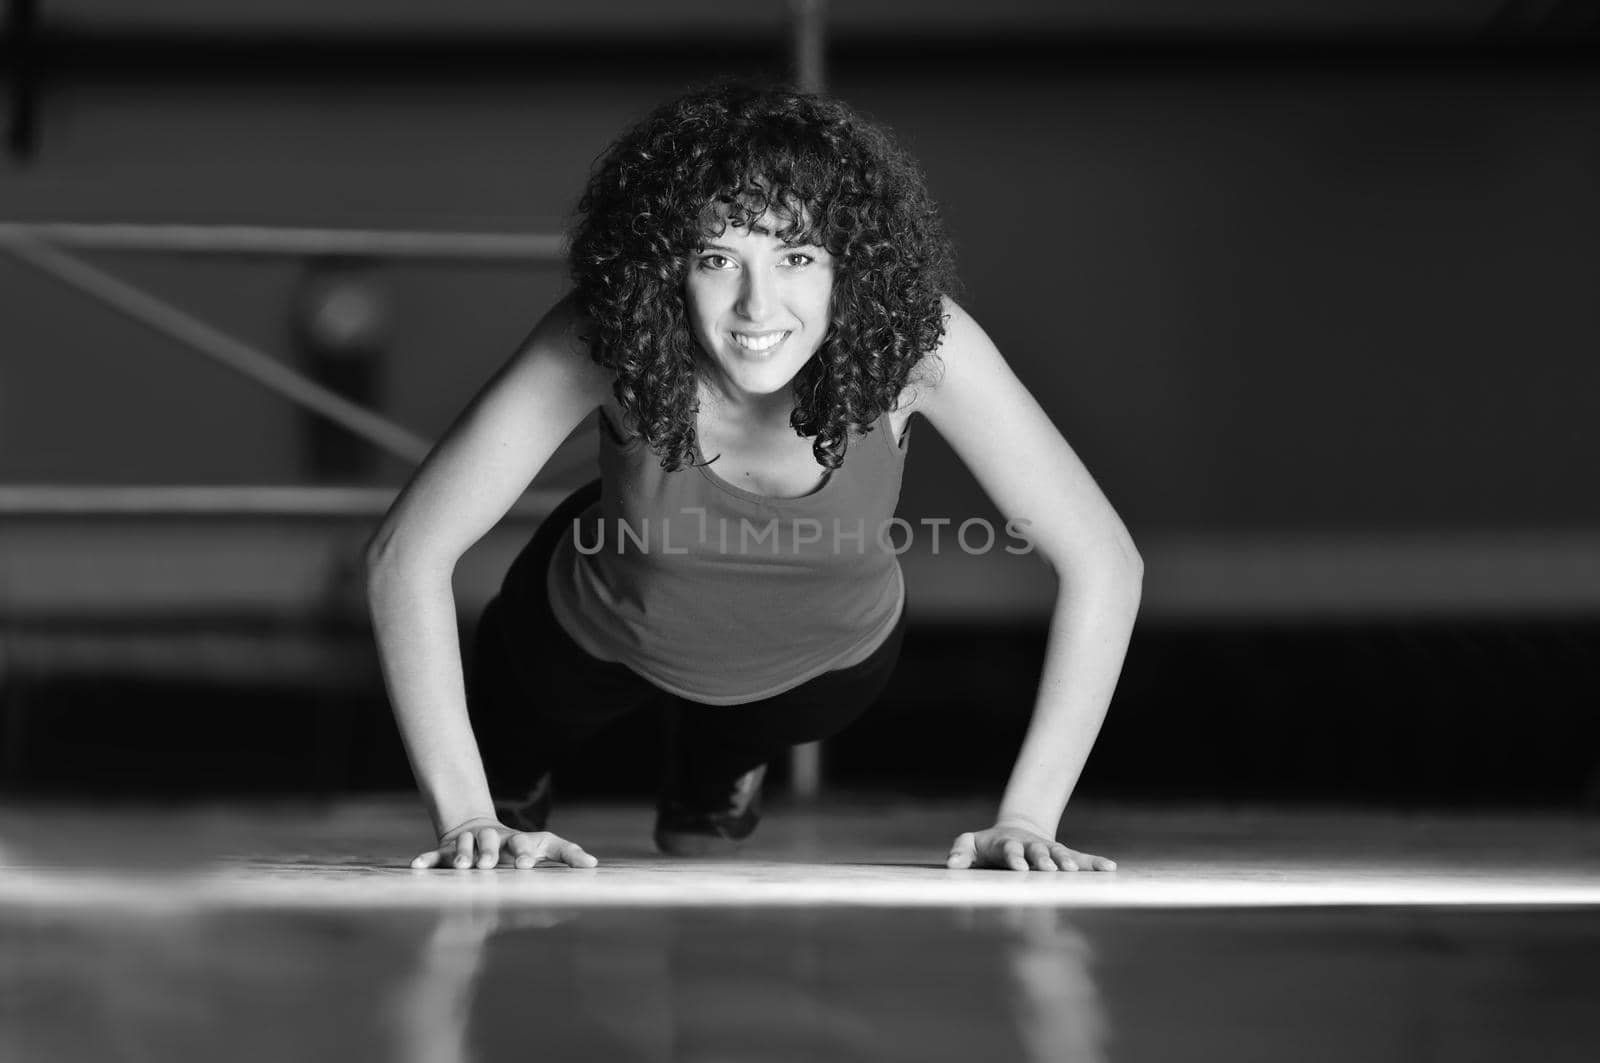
755	295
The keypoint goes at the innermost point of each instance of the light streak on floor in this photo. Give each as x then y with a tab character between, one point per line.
841	853
299	933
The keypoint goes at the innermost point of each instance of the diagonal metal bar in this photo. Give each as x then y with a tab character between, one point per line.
220	347
266	240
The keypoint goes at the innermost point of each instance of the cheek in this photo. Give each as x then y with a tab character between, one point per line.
821	301
697	306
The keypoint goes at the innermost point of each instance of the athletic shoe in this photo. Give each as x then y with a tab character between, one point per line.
691	828
531	811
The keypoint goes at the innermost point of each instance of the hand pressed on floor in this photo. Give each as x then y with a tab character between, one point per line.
483	843
1021	849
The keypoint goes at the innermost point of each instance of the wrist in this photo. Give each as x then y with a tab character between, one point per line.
1024	821
453	801
452	817
454	826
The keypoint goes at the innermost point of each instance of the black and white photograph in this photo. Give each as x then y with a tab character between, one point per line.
799	530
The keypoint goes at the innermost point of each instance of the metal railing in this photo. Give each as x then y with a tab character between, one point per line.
40	246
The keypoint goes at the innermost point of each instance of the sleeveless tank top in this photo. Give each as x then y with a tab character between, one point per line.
723	596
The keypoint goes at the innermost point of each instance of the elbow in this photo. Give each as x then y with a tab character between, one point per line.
379	571
1130	571
1132	565
1109	575
378	557
1125	581
388	559
1123	560
376	554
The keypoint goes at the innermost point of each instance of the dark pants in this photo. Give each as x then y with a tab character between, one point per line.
535	696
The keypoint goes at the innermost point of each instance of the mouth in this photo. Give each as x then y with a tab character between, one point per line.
759	342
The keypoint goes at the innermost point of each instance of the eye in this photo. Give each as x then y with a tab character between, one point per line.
798	258
715	261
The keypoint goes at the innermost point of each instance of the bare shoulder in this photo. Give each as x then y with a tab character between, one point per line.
1009	443
558	345
491	452
929	373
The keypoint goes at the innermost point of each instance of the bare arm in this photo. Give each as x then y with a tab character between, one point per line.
1030	473
468	482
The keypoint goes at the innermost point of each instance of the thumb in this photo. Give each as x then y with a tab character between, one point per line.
530	848
963	853
572	854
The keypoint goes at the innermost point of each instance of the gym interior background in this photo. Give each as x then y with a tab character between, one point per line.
1310	291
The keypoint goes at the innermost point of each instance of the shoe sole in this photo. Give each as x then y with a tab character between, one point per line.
669	843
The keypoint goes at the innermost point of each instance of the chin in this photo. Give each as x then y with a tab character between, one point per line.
764	379
766	387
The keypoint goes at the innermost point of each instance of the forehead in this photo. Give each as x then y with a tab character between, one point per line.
715	222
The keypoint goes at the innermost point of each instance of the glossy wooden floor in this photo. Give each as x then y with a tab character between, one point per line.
300	933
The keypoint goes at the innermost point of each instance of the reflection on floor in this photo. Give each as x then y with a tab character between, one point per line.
284	933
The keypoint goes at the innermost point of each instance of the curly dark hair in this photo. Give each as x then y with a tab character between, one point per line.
833	179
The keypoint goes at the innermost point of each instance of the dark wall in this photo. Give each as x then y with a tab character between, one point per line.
1328	307
1338	299
1319	300
1342	298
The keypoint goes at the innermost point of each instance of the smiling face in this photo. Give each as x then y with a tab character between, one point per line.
759	309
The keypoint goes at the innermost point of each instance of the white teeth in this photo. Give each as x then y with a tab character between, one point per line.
759	343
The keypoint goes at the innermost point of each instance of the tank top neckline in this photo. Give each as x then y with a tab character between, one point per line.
884	426
812	495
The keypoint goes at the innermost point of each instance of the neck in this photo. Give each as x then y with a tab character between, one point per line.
748	409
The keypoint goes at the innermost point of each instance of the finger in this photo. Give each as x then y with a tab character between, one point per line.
1039	857
1096	863
1011	852
963	852
464	846
525	848
1064	858
431	858
531	848
570	853
488	847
